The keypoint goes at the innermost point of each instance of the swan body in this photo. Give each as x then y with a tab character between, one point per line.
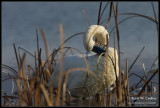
77	83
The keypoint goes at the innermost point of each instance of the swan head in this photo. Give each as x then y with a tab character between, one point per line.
99	32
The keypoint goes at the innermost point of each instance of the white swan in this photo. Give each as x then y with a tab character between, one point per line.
77	80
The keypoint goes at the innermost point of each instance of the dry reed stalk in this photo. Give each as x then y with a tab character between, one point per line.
37	95
80	69
10	68
99	13
51	95
155	16
121	22
11	79
109	99
86	16
46	46
115	65
105	99
37	90
24	98
144	70
70	38
16	55
36	70
141	15
18	73
19	48
115	59
119	91
124	92
31	86
110	14
153	63
127	80
103	10
29	70
135	59
37	41
61	67
116	68
8	100
107	73
147	82
24	77
46	95
39	65
22	83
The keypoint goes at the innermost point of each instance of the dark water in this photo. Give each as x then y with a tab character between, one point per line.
20	19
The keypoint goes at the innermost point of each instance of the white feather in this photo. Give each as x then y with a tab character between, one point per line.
77	80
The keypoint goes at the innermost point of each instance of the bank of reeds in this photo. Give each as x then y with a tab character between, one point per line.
35	88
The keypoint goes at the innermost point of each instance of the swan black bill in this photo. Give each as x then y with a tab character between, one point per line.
98	48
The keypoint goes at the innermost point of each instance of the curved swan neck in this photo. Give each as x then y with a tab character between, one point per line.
94	30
